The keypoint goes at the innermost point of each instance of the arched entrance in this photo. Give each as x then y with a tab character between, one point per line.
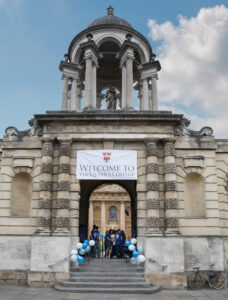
91	190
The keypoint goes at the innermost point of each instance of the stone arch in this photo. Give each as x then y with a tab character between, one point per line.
108	37
21	195
194	195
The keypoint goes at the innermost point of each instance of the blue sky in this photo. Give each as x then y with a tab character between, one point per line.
35	34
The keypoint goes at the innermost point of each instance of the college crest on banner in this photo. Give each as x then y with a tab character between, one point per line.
107	164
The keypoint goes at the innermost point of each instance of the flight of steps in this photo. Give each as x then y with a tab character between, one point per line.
106	275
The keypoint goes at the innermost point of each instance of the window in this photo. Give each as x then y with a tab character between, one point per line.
194	196
21	195
112	213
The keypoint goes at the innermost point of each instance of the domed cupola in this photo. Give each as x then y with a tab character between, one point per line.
105	63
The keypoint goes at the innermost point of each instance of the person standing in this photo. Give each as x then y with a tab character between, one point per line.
95	236
119	248
108	242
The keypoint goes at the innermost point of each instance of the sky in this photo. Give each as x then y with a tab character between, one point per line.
189	37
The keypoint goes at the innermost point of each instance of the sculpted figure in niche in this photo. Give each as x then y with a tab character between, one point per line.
111	99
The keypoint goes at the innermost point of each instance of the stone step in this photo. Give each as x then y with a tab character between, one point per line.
107	279
115	290
106	284
107	274
105	269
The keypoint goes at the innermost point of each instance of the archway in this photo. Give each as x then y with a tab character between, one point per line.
89	188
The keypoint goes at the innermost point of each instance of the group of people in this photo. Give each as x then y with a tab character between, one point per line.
114	243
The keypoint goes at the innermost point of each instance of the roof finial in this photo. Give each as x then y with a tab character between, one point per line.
110	10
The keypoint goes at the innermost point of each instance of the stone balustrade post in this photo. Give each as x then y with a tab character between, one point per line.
154	221
65	93
170	183
154	93
62	203
45	202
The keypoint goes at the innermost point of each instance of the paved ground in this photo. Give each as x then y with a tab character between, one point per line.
14	292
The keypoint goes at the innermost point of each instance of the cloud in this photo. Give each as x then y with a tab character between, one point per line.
194	75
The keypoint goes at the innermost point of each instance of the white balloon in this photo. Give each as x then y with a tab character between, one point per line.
74	257
133	241
133	261
131	247
141	258
74	252
79	245
92	243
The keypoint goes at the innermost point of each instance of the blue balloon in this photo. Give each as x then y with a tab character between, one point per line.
80	259
133	260
84	245
101	235
86	242
140	249
127	243
135	254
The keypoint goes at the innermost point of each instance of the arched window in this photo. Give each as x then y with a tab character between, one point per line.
194	196
21	195
112	213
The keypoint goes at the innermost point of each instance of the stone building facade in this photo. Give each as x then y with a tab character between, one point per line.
179	202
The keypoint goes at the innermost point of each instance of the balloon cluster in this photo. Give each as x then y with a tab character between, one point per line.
81	249
137	256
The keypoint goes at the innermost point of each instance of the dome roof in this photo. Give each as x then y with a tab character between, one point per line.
110	19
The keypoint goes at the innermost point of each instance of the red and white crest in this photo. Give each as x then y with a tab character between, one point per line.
107	156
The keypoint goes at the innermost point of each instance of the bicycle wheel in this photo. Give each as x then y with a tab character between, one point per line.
195	281
217	282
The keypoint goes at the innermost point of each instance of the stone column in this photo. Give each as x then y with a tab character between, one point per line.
145	96
171	201
74	95
154	94
88	82
150	97
46	187
65	93
123	92
94	82
62	203
79	96
90	217
103	218
122	215
155	223
129	83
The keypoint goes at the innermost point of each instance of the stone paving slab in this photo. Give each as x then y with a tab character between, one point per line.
15	292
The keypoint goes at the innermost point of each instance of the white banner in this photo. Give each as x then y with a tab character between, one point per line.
107	164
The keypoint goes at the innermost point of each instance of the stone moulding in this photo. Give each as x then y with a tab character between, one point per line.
171	223
62	222
152	203
170	168
47	168
169	149
153	186
62	203
152	168
171	203
45	185
64	168
44	221
45	203
155	222
65	149
63	186
170	185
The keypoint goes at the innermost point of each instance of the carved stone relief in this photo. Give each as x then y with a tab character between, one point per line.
182	129
62	203
46	185
45	203
44	221
65	149
152	168
63	186
151	149
170	186
170	168
169	149
152	203
171	223
155	222
62	222
47	149
64	168
47	168
171	203
152	186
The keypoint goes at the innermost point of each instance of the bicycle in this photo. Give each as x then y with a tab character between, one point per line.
215	279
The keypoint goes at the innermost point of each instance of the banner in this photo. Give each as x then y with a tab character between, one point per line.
107	164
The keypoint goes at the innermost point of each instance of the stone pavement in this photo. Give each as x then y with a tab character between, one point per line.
15	292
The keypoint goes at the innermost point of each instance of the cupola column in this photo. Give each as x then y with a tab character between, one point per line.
65	93
123	92
145	98
154	93
74	101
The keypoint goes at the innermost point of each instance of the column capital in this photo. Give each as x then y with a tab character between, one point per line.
151	141
47	139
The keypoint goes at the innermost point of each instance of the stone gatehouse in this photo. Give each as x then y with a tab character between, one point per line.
179	200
